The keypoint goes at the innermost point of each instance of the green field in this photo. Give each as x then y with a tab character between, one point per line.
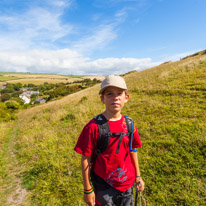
167	104
4	78
37	78
23	73
28	73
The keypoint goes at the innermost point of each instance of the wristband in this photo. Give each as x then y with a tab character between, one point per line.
88	191
137	176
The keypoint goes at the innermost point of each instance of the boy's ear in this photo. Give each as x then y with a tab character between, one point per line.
102	98
126	97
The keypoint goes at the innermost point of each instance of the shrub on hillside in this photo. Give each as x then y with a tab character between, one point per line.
5	97
12	105
5	114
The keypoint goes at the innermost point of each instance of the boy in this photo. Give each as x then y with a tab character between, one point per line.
115	170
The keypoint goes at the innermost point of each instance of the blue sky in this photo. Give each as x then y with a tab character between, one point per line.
98	37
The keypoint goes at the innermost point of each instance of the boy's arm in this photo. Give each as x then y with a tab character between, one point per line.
138	178
85	163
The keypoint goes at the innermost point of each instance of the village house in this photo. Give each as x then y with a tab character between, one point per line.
26	96
2	87
40	100
25	89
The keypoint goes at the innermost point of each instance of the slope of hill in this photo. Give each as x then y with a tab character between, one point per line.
168	106
37	79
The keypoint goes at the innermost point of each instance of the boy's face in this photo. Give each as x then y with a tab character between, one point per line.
114	99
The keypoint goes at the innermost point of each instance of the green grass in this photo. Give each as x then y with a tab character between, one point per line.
8	162
28	73
73	76
171	119
23	73
167	104
4	78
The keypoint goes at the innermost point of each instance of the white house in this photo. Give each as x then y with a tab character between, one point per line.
2	87
25	98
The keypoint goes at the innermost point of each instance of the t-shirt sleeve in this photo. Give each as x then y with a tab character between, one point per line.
87	140
136	139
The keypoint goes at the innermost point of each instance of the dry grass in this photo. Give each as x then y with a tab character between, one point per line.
167	105
36	76
94	76
149	77
73	99
38	79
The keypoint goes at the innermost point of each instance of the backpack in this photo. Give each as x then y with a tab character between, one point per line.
105	134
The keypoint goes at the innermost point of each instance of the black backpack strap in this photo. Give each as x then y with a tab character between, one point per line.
120	140
129	131
104	133
130	128
129	123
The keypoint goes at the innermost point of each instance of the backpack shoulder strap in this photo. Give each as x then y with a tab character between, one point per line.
130	128
130	123
104	133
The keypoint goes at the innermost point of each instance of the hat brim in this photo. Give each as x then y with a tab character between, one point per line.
102	89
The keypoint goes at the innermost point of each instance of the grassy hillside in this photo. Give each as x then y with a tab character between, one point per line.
37	79
168	106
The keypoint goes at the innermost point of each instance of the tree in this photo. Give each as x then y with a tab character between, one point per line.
17	86
31	85
5	97
7	90
12	105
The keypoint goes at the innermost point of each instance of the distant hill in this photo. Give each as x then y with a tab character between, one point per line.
37	78
166	102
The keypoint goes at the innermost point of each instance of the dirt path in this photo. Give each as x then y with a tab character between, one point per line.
18	196
12	191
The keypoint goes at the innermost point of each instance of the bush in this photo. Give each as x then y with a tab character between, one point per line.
12	105
5	114
5	97
83	99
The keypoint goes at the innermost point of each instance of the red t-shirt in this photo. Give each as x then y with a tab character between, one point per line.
116	169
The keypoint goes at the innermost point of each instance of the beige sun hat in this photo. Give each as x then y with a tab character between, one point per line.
113	80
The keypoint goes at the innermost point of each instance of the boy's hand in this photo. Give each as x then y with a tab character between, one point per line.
139	184
90	199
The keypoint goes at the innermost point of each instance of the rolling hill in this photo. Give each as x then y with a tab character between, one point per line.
37	79
167	104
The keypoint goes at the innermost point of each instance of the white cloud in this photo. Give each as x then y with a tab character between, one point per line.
121	13
41	27
117	65
33	28
60	3
66	61
29	42
40	60
100	37
178	56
